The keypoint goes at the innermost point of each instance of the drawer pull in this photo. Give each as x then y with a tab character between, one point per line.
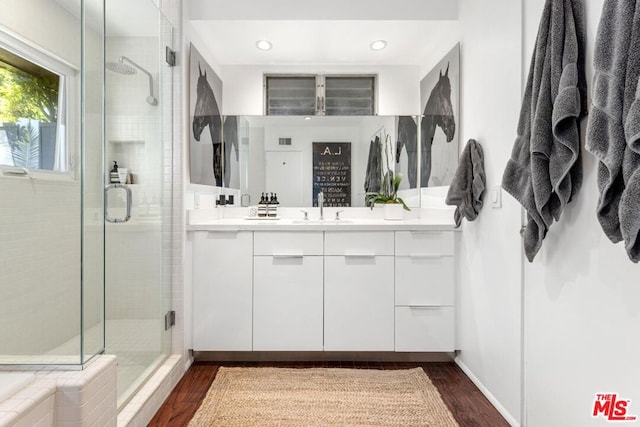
291	255
425	256
424	307
359	255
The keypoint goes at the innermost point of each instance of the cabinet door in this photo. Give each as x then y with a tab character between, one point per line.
358	306
425	329
222	290
287	295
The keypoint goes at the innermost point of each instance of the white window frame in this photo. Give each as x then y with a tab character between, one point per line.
67	126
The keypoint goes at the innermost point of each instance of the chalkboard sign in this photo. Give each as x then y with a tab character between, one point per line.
332	173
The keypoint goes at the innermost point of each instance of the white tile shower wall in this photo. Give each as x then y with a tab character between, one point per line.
133	289
134	140
132	125
39	264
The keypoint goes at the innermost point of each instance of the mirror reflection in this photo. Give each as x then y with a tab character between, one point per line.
346	157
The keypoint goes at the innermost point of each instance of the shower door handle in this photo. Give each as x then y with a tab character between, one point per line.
127	215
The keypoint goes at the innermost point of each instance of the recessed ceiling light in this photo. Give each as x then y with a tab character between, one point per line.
378	44
307	118
263	44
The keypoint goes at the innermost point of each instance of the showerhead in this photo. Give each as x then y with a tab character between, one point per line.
121	68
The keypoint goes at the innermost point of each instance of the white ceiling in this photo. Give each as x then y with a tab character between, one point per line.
423	10
331	32
321	42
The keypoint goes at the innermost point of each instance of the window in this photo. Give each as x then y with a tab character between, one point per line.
306	95
291	96
349	96
32	108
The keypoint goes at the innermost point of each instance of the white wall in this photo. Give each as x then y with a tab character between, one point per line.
581	293
36	20
398	86
488	256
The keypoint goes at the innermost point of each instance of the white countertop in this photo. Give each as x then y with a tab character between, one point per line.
427	220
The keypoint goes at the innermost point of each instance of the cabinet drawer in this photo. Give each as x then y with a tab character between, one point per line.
422	329
424	280
419	243
283	243
359	243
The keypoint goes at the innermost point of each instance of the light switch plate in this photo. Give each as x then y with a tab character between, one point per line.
496	197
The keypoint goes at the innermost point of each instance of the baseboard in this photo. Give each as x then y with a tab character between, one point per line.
313	356
485	391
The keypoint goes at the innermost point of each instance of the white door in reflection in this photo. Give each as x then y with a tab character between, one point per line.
283	175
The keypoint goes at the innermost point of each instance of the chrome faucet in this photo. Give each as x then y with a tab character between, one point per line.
321	204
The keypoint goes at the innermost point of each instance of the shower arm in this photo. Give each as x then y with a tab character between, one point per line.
124	58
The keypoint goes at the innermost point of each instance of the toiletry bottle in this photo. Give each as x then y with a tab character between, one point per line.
113	174
262	206
275	203
271	207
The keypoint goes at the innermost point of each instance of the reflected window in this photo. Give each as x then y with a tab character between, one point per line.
304	95
31	113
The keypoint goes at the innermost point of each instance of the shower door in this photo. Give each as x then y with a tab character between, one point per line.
138	195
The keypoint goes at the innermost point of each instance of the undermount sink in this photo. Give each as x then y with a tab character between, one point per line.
322	221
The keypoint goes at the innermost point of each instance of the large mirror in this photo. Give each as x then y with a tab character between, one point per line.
345	157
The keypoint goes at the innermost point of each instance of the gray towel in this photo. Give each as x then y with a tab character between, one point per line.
630	199
605	131
544	172
469	182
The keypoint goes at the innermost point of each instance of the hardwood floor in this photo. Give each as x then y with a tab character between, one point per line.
464	400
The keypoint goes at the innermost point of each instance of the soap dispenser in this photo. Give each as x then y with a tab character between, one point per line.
113	174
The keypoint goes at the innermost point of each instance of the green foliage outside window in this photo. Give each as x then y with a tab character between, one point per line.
24	95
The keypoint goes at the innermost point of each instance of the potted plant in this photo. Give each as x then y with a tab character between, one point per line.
388	196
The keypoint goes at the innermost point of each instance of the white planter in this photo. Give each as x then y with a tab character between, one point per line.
393	211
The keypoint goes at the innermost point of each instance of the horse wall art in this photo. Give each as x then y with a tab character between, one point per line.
206	148
440	112
408	139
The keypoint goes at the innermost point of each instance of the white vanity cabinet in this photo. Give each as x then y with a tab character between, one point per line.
287	291
377	288
358	291
424	291
222	290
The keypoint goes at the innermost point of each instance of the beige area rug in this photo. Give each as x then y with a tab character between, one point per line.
322	397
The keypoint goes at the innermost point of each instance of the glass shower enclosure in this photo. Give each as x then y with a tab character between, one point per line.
85	255
138	138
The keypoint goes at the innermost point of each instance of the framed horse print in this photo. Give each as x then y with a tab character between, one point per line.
205	142
440	98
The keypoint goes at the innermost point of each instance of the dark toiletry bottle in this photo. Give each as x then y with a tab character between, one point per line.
272	207
262	206
276	204
113	174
